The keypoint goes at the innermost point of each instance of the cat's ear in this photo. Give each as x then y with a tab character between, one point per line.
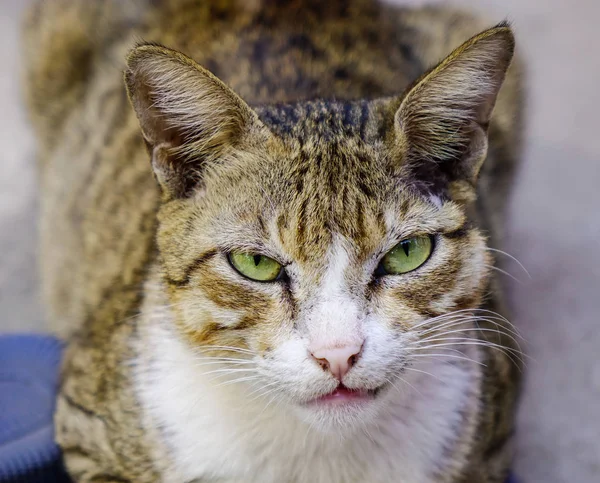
441	124
188	117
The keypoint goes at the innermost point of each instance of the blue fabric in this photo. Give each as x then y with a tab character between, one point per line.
29	368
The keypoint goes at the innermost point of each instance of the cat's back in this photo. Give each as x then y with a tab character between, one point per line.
98	194
268	51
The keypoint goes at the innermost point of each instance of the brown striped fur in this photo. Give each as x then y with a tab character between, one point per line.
308	123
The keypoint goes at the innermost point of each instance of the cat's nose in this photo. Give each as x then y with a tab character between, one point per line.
337	360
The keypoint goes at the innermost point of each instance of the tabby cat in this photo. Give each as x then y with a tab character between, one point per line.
271	265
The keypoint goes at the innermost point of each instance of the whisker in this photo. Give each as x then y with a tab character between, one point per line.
235	381
451	356
228	371
463	319
457	314
511	257
261	388
262	392
404	381
504	272
491	315
505	350
472	312
459	321
308	430
227	348
476	329
274	398
474	318
234	362
470	341
408	368
431	320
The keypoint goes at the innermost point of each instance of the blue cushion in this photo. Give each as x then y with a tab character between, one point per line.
29	368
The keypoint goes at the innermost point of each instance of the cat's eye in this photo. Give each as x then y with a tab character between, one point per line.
406	256
255	267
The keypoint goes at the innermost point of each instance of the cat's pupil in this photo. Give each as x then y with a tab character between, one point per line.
257	259
406	247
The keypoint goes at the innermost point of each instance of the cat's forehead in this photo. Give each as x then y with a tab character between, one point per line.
332	189
327	176
326	120
312	193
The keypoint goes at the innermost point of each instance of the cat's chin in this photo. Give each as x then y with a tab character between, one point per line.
342	410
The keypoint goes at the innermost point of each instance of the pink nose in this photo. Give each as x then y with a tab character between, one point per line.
337	360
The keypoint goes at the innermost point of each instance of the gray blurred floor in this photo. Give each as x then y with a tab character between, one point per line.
554	231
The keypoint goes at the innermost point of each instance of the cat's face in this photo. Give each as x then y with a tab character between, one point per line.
310	249
331	292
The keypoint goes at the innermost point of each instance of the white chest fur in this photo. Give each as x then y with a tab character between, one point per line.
215	433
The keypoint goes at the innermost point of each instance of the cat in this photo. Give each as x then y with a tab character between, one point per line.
271	265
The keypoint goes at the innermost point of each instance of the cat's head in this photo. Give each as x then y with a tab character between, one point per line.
318	240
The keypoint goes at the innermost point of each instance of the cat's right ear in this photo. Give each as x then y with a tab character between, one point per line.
188	117
441	124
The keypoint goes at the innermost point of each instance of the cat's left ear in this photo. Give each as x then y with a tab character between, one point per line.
189	118
441	125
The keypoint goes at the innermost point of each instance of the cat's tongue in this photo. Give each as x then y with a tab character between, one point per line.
343	395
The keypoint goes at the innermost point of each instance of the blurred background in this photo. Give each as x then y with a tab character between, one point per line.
554	227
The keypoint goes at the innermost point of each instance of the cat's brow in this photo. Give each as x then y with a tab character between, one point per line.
189	270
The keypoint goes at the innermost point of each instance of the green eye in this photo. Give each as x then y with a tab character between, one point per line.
407	255
255	267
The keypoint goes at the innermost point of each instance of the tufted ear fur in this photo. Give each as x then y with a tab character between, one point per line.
188	116
441	124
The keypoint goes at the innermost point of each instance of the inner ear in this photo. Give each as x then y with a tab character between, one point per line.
188	117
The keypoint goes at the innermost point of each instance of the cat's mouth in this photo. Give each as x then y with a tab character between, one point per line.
343	395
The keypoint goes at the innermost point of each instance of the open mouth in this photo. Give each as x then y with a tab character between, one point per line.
343	395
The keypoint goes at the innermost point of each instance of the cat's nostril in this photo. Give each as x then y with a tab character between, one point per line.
337	360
